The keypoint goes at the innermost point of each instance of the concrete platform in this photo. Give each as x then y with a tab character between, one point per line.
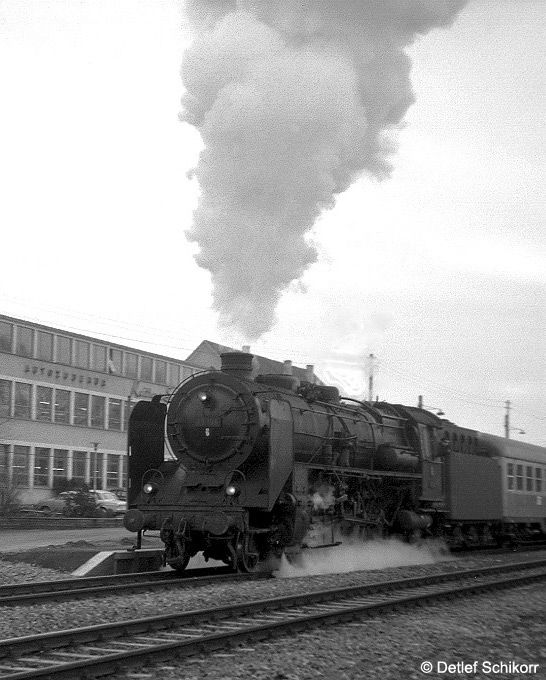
111	562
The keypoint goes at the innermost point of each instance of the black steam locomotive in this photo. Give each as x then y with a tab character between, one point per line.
242	469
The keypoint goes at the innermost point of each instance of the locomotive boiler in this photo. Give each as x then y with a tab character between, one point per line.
241	468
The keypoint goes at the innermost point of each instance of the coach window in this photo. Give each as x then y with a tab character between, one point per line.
529	479
22	401
64	350
61	413
44	346
131	365
44	403
41	466
6	336
538	480
81	409
81	358
98	411
24	341
60	460
21	456
5	398
160	372
99	358
519	477
78	466
510	475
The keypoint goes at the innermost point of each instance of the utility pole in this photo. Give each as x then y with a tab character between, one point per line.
95	447
371	366
507	420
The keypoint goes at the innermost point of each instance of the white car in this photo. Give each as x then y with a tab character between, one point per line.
108	503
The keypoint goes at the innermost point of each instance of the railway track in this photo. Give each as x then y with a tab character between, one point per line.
17	594
113	648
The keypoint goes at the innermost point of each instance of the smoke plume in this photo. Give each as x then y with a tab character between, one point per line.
294	99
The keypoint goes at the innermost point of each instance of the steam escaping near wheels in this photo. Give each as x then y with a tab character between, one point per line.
294	101
355	556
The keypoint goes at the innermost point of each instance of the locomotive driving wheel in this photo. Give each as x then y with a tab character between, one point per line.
246	553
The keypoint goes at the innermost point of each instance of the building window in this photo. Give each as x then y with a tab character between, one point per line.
114	361
44	346
114	414
21	456
64	350
98	410
82	354
22	401
60	460
78	466
174	375
62	406
44	403
81	409
131	365
529	479
4	461
5	398
160	372
96	470
127	408
146	366
510	475
519	477
112	468
99	358
186	372
538	480
41	466
24	341
6	336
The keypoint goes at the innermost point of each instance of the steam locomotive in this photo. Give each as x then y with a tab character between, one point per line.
244	468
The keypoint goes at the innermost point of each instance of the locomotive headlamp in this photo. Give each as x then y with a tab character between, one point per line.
203	397
150	488
232	490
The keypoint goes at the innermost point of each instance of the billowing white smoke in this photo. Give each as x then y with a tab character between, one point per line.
294	100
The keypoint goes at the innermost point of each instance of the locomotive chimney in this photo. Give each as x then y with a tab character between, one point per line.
287	368
310	373
246	349
238	364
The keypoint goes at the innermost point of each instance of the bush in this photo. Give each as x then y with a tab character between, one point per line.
80	504
9	499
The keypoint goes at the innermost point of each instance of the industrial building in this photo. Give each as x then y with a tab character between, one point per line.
65	400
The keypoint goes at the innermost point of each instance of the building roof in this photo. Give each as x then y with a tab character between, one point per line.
207	355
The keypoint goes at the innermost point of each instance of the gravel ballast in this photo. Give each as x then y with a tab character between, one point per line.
501	627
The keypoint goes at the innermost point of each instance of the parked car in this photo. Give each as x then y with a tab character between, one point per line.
106	502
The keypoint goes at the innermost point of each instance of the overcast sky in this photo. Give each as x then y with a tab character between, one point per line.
439	271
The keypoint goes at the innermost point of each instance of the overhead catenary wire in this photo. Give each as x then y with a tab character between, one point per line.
453	393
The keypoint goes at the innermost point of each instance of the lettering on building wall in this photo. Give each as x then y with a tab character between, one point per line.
65	375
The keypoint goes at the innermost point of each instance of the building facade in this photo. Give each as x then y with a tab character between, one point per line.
65	400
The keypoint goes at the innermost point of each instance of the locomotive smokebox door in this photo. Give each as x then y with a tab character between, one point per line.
281	447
